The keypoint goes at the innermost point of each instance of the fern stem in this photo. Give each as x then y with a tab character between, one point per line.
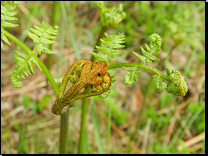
17	41
64	124
120	65
83	126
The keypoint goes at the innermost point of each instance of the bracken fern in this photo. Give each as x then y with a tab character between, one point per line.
176	83
42	34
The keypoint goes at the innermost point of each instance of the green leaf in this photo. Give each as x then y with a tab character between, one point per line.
2	45
116	52
34	37
11	18
104	50
99	57
11	5
46	41
48	51
7	15
4	38
9	25
149	55
37	32
22	67
142	58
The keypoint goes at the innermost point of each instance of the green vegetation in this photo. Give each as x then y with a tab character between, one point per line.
131	116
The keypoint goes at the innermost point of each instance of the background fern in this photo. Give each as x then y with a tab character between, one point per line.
42	34
8	15
112	42
22	67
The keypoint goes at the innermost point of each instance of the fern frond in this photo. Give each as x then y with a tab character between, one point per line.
7	15
112	42
43	34
154	49
22	67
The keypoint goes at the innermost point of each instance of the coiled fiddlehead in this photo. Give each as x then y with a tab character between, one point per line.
131	77
154	49
93	77
159	85
178	85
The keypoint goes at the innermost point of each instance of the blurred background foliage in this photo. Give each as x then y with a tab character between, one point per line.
143	120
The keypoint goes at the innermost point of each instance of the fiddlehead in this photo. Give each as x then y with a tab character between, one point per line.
93	77
154	49
178	85
131	77
110	17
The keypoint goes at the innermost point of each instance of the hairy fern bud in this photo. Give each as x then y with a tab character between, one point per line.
159	85
178	87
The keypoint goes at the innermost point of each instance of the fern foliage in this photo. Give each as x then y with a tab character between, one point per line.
154	49
43	34
8	15
24	65
112	43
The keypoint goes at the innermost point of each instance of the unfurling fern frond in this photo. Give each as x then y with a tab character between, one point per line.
154	49
112	42
22	67
7	15
159	85
178	85
131	77
43	35
110	17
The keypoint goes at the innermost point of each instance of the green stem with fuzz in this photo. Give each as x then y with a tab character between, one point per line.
121	65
